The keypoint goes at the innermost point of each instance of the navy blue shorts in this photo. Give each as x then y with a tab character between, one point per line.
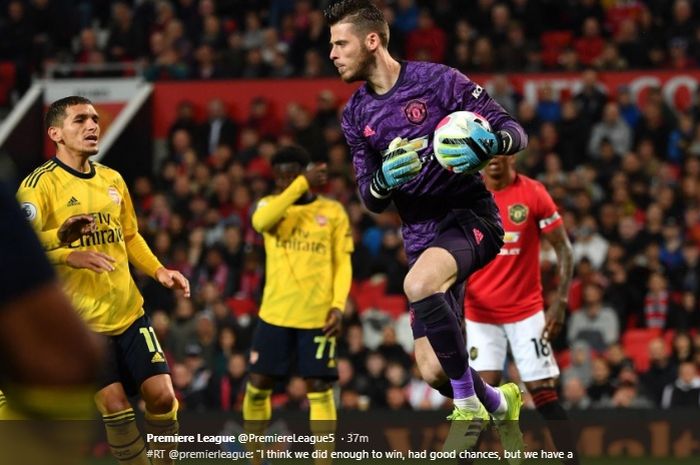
473	241
132	357
276	348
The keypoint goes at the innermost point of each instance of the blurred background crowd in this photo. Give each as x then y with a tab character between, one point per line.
626	178
222	39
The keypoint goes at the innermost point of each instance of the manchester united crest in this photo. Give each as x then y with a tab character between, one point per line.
416	111
517	213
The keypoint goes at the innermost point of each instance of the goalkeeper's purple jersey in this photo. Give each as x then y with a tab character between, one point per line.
422	96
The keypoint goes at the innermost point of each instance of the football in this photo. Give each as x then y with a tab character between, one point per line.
454	126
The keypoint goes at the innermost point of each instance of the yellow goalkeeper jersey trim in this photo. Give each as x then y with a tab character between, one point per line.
109	301
307	250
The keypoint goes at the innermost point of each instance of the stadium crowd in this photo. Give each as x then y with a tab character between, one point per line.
625	177
215	39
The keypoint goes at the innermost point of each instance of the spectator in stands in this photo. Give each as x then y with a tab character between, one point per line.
224	391
629	393
513	52
573	135
548	104
613	128
620	292
427	41
656	302
353	348
205	64
580	366
661	370
589	46
574	395
685	314
589	243
125	40
682	348
218	129
628	108
617	360
685	390
601	389
392	351
595	322
397	399
375	367
652	125
590	100
165	62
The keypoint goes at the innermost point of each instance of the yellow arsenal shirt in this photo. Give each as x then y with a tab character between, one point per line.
307	250
109	301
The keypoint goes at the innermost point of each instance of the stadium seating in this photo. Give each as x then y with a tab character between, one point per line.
553	43
635	343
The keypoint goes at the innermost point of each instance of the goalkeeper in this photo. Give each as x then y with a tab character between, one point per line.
451	225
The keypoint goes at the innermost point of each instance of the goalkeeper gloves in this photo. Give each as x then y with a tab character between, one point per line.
400	164
469	154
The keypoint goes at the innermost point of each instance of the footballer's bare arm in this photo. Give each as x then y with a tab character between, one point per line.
556	313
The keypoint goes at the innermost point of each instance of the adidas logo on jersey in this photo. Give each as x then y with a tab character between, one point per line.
157	358
73	202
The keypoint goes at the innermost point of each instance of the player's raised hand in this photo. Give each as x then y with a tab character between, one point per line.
95	261
76	227
554	320
334	321
173	279
316	174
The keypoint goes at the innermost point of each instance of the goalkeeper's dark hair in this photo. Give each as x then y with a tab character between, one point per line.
362	14
291	154
57	110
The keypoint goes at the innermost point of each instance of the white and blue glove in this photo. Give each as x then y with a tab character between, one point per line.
400	164
468	154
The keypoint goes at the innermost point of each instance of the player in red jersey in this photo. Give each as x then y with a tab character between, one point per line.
504	302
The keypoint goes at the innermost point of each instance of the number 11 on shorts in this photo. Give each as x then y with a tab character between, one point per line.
151	340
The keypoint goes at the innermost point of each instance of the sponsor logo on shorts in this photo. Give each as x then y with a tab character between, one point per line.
473	353
517	213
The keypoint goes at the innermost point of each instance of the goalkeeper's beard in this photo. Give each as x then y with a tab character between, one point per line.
365	62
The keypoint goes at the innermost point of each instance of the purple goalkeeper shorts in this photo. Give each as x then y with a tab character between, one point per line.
473	241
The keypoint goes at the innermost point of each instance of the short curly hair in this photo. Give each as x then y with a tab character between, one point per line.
291	154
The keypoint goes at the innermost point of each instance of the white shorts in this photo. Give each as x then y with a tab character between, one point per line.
487	346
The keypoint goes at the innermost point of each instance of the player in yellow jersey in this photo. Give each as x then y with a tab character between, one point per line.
308	243
85	220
